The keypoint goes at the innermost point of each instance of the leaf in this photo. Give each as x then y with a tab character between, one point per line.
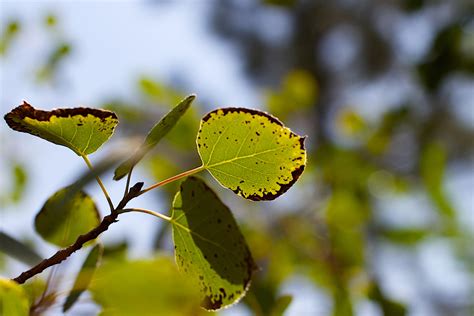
433	166
155	135
18	250
153	287
116	252
209	246
84	276
388	306
19	184
405	236
298	92
281	305
250	152
34	289
10	33
13	299
63	217
82	130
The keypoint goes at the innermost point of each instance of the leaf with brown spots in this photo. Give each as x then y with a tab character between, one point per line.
209	246
250	152
82	130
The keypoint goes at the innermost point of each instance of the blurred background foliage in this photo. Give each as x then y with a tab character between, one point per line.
384	90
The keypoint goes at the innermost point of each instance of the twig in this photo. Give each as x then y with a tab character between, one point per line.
173	178
99	181
134	191
63	254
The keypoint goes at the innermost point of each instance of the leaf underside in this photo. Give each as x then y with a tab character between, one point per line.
158	131
250	152
209	246
64	217
82	130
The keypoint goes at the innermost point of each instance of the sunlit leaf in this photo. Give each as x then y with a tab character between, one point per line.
63	218
155	135
83	130
250	152
18	250
13	299
152	287
209	246
84	276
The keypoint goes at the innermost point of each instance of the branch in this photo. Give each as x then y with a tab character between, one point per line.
63	254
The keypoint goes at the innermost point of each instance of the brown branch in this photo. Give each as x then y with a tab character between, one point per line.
63	254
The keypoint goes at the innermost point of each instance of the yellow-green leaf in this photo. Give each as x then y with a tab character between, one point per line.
13	299
209	246
65	216
433	166
250	152
158	131
281	304
152	287
82	130
84	276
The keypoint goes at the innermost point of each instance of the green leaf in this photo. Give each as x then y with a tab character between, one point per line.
152	287
388	306
209	246
281	305
82	130
433	166
298	92
250	152
34	289
19	184
64	217
116	252
155	135
84	276
18	250
405	236
13	299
